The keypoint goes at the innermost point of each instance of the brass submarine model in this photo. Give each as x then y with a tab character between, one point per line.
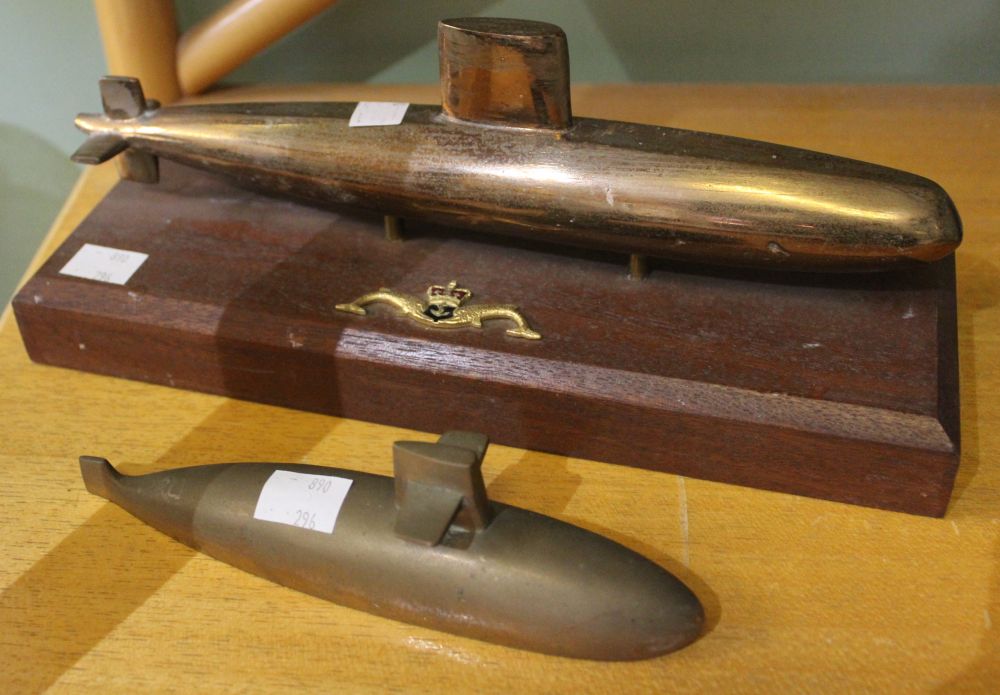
504	154
426	547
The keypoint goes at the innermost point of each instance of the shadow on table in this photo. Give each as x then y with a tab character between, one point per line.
974	495
978	290
983	673
548	477
96	577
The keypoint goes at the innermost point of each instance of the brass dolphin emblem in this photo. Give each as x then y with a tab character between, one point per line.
443	309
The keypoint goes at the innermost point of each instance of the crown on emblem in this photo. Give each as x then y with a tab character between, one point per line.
452	295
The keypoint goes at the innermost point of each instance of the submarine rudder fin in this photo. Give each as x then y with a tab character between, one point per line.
99	148
122	99
99	476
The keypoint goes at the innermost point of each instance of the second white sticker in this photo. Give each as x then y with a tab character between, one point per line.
368	113
302	499
104	264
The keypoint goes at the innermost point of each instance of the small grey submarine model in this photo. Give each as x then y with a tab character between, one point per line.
425	547
504	154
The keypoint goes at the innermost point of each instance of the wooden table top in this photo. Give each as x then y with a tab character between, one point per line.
800	594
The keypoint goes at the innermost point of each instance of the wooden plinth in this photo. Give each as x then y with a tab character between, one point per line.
842	387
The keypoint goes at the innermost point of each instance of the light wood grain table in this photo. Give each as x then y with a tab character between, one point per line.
801	595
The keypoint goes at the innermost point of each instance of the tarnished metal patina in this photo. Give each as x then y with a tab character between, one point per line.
427	547
505	154
444	308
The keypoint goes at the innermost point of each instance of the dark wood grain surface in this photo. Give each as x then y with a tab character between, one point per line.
841	387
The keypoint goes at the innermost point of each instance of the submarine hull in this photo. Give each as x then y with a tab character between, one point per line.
623	187
526	580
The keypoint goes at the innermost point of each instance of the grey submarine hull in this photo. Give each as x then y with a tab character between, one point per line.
526	580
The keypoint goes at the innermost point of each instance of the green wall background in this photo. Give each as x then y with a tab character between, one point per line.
52	56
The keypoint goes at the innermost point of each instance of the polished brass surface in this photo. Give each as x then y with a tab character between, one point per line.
440	486
123	100
394	228
428	548
134	165
444	308
503	162
638	266
504	71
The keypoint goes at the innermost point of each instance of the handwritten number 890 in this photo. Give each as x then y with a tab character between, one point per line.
320	485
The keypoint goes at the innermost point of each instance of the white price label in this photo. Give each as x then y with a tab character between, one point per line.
302	499
378	113
105	264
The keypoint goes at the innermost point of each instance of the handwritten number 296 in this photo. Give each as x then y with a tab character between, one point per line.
304	519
